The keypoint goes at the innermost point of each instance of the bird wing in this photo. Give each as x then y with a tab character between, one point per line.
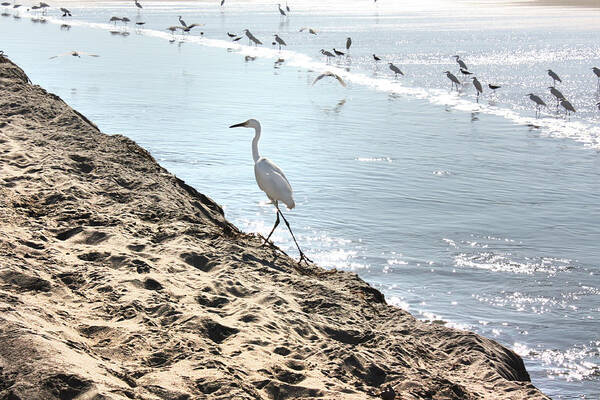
340	80
193	25
273	182
88	54
68	53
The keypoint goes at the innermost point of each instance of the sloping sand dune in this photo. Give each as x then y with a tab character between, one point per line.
119	281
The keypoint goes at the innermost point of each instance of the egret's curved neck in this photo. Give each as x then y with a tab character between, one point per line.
255	154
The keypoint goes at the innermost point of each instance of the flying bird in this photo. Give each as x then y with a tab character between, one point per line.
74	54
396	70
339	79
554	77
271	180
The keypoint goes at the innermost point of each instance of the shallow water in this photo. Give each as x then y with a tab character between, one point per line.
478	214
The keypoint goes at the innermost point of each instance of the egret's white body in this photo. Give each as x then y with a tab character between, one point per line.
271	180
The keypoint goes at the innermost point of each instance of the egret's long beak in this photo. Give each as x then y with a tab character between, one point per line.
238	125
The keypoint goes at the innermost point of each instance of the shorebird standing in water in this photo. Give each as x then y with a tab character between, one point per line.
327	54
283	14
597	72
538	102
396	70
478	87
461	63
554	77
567	106
138	5
280	41
453	79
556	93
251	37
271	180
348	43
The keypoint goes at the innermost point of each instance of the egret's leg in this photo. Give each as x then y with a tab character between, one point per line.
272	230
302	255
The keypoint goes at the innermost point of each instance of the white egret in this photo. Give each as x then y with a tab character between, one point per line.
271	180
554	77
328	73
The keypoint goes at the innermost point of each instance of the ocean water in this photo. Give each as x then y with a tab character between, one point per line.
476	213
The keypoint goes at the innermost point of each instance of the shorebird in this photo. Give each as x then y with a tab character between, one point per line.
538	102
287	7
338	53
74	54
231	35
494	87
44	7
348	43
376	58
251	37
396	70
597	72
115	19
310	30
327	54
567	106
461	63
271	180
280	41
222	2
283	14
182	22
598	105
66	13
453	79
465	72
554	77
478	87
323	75
556	93
137	4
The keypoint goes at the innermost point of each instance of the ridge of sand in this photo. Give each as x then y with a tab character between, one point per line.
119	281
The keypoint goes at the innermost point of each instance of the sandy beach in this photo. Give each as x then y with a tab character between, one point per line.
120	281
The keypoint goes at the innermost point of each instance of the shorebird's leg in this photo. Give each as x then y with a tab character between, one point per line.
272	230
302	255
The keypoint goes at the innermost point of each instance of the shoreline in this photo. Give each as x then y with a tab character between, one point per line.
120	280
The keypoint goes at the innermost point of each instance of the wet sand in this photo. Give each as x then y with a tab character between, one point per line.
119	281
